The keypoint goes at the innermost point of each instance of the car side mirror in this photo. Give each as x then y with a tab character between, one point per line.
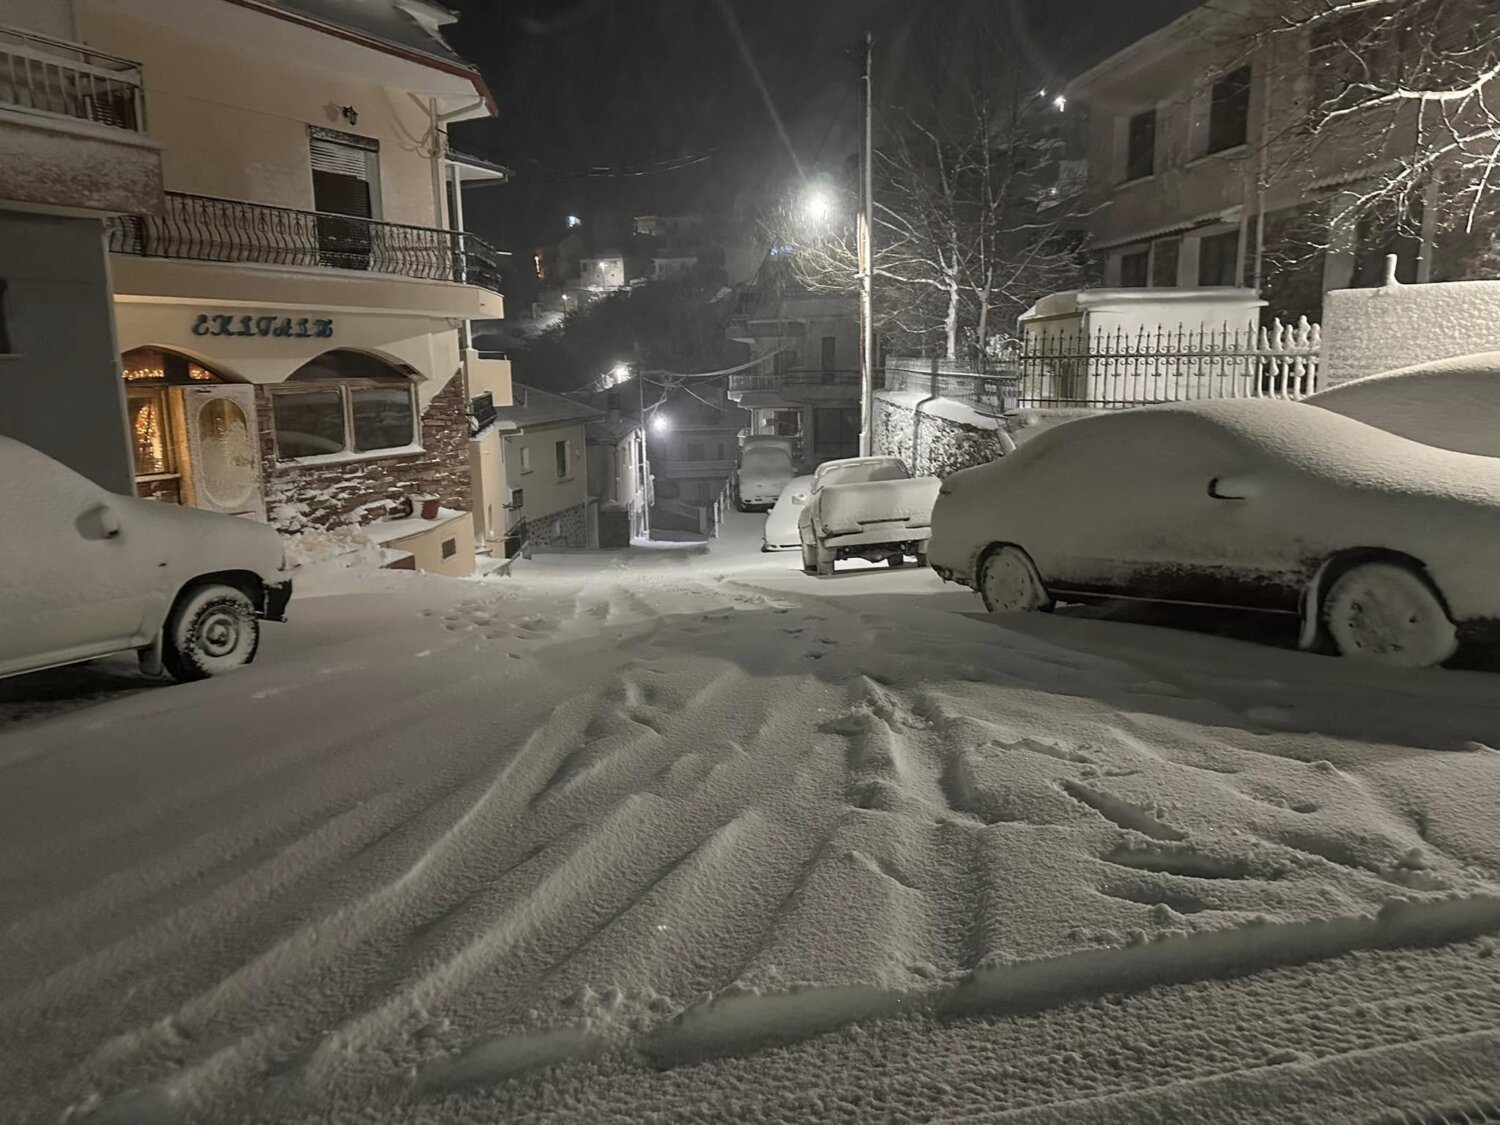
1233	487
99	522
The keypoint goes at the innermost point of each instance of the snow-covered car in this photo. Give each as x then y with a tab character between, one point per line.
865	507
86	573
1385	547
781	533
1449	403
764	470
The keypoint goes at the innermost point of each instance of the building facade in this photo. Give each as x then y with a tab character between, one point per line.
542	470
1203	171
292	323
807	386
74	151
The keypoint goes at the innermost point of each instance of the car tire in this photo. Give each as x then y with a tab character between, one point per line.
212	630
895	560
1388	612
1009	582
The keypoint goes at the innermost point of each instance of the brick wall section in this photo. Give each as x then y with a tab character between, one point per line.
942	447
326	496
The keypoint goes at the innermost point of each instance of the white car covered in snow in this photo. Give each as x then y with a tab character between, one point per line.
781	532
1449	403
865	507
86	573
1386	548
764	470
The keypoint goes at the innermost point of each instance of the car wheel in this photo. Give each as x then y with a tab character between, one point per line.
1009	581
212	630
896	559
1387	612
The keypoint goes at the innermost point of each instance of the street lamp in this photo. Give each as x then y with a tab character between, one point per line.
818	206
660	423
620	372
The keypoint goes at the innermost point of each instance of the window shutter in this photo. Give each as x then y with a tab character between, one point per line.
339	158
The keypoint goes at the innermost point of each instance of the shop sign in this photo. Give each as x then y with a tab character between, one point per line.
298	328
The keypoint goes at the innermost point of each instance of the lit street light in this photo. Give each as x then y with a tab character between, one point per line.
818	206
620	372
660	423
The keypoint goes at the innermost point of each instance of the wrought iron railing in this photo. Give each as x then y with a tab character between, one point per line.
43	75
204	229
1110	370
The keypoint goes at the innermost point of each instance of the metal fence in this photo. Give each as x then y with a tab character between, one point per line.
773	382
205	229
1115	369
39	74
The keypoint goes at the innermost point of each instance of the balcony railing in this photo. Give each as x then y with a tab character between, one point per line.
202	229
791	380
52	77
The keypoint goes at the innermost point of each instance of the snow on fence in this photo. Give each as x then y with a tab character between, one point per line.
1114	369
1119	368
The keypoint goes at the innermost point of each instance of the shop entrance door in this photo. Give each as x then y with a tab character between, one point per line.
221	440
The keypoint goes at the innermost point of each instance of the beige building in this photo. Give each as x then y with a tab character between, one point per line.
1200	174
542	471
293	321
74	151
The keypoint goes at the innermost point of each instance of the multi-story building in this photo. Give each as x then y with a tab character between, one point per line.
292	323
808	385
74	151
542	470
693	443
1204	172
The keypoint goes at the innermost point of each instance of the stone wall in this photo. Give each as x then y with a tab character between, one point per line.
567	528
932	445
358	492
1367	331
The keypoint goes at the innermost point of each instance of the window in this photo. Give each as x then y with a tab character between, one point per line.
1229	111
344	403
1140	146
694	451
1135	269
450	548
525	459
830	353
561	450
346	181
1218	259
4	324
1165	256
517	499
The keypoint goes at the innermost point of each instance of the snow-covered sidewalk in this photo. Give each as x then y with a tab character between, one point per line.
625	834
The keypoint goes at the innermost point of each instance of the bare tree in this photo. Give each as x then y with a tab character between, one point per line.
1412	89
973	212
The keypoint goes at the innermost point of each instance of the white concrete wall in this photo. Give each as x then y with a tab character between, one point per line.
232	114
45	17
1367	331
544	492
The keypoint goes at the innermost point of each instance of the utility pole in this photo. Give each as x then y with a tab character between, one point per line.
867	262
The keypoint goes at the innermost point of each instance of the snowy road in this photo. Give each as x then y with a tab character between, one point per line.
691	834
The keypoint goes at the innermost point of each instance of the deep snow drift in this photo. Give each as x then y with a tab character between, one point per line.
687	833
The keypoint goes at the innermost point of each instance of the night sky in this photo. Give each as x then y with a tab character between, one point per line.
632	86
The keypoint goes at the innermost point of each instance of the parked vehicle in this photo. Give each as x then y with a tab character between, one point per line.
781	533
764	470
86	573
1386	548
869	508
1450	403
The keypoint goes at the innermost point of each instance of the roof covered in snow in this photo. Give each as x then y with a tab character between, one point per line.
535	407
410	25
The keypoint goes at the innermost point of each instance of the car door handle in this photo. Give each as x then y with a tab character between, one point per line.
1216	485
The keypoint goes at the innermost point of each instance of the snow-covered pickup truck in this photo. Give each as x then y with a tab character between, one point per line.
87	573
868	508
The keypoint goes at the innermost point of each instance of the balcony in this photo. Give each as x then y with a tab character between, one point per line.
55	78
72	127
791	387
203	229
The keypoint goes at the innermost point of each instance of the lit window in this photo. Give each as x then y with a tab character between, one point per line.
525	459
344	402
